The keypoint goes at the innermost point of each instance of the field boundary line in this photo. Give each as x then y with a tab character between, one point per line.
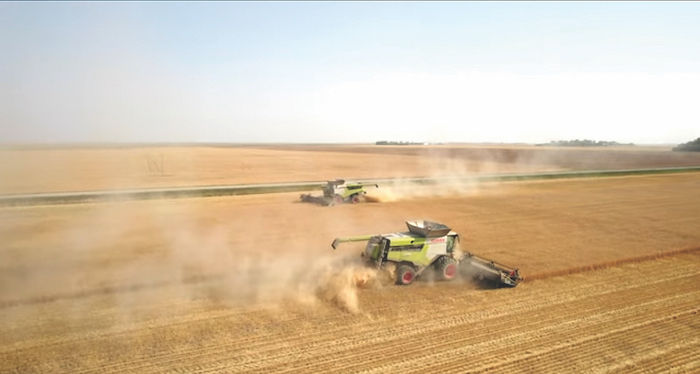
78	197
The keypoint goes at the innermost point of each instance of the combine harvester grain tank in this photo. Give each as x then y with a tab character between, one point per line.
430	246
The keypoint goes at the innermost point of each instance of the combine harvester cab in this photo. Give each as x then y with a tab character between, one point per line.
427	245
339	192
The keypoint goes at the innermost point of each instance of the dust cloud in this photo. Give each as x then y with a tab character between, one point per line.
307	280
407	190
240	254
156	252
143	252
458	171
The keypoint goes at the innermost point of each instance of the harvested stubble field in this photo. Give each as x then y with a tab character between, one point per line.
614	320
249	283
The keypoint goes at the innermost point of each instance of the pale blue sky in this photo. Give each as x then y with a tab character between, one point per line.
349	72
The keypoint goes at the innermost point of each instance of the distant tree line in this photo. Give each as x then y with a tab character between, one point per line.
388	142
582	143
691	146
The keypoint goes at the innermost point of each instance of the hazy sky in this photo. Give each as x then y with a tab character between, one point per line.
349	72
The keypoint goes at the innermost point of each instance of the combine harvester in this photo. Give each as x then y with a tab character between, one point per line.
339	192
430	245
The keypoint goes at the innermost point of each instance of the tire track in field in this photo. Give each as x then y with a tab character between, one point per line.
505	352
386	332
590	344
283	350
183	322
609	264
244	343
670	354
110	290
484	338
518	311
293	337
589	351
682	360
326	322
562	332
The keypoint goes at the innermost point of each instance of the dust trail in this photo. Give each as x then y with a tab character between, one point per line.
406	190
340	287
332	280
123	256
454	171
448	175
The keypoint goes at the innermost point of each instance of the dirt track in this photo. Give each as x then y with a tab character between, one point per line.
228	284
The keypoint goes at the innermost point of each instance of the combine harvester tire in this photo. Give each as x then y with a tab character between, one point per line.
405	274
447	268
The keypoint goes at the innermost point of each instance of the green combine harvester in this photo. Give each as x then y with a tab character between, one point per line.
339	192
430	245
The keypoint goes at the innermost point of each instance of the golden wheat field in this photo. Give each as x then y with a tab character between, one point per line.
32	170
250	283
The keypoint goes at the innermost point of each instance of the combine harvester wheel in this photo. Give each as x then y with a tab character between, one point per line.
405	274
447	268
